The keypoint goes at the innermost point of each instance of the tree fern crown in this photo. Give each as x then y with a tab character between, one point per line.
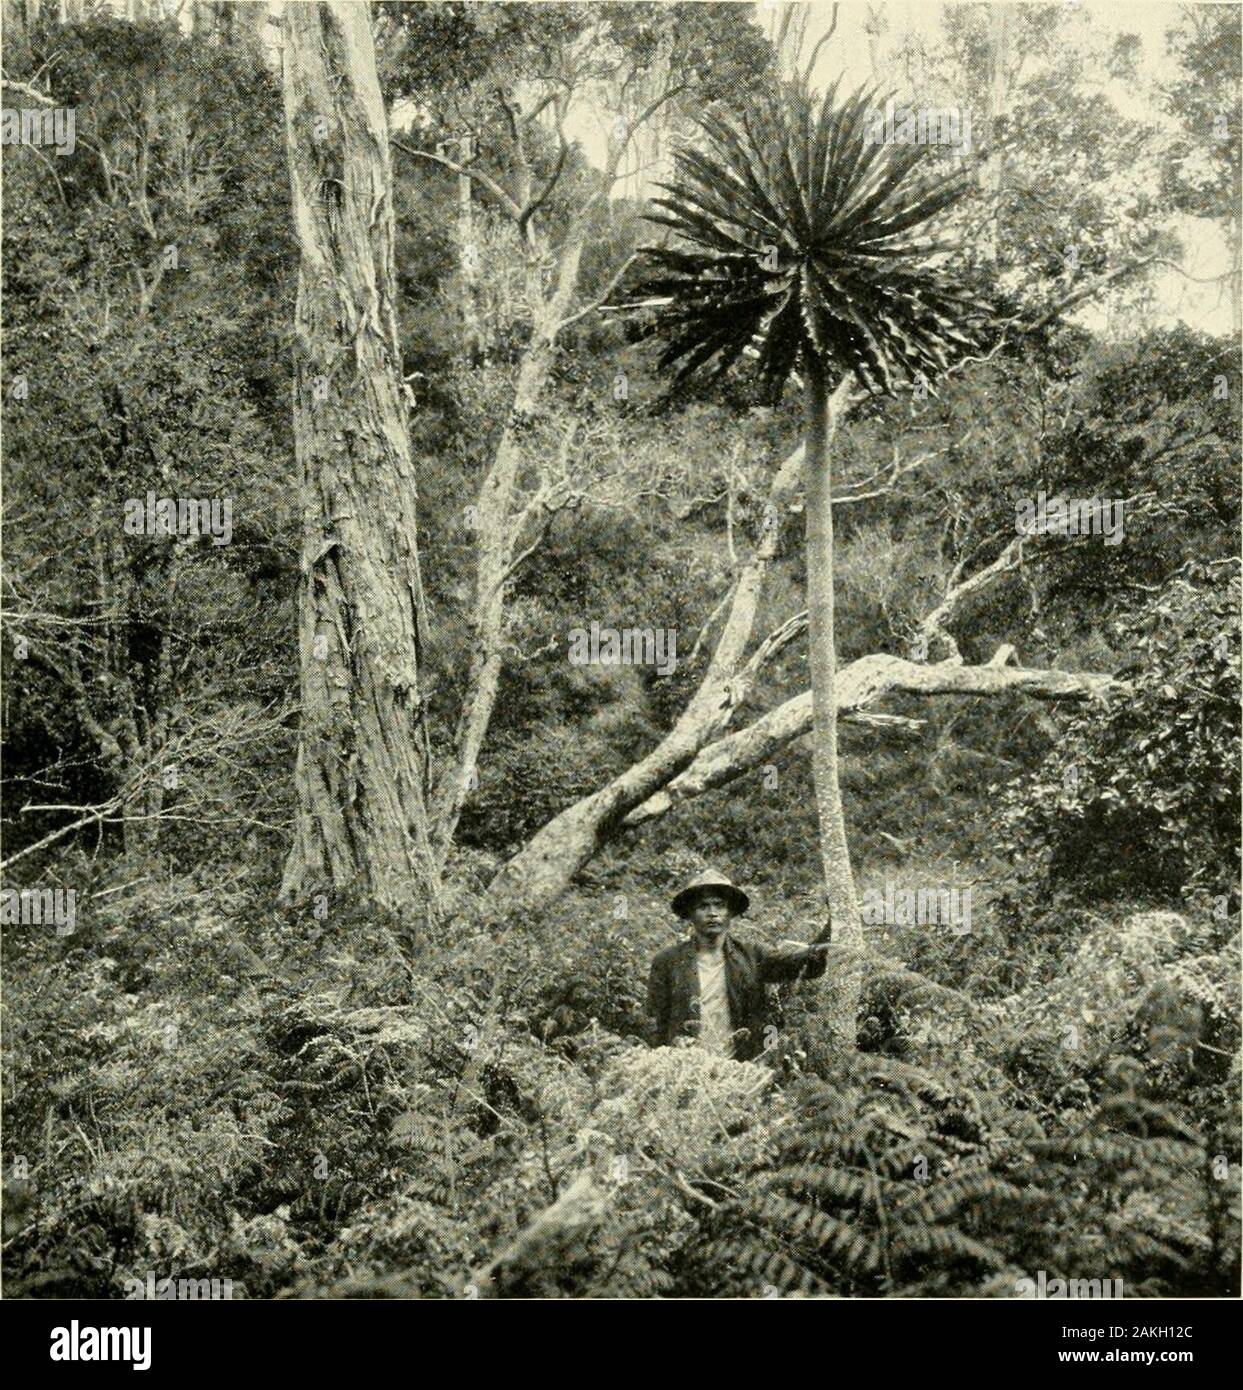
799	235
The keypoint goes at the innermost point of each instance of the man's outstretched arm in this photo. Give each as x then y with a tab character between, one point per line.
778	966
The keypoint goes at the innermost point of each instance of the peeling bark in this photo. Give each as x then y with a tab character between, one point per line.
362	755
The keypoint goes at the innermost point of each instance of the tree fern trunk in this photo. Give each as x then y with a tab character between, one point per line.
842	980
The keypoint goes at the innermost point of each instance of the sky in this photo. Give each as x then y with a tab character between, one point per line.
848	50
1206	246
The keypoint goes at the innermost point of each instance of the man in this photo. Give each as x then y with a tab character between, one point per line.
712	987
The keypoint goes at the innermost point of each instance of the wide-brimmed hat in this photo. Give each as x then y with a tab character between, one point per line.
686	898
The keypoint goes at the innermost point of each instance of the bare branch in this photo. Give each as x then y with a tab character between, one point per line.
26	90
534	205
861	684
776	642
1089	291
608	290
93	814
897	471
820	42
511	207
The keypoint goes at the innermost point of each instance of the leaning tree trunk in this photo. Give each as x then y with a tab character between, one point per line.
842	984
362	756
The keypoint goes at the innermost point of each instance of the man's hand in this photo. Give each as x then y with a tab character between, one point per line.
818	947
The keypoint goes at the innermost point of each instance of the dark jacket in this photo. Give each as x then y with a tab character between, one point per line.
673	990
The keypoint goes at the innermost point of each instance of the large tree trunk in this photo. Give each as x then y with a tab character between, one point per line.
362	757
842	986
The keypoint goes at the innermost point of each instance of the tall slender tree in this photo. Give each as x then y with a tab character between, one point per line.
801	241
362	759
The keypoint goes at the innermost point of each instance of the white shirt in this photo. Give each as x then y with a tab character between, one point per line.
715	1028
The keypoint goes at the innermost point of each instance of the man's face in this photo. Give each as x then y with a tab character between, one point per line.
709	917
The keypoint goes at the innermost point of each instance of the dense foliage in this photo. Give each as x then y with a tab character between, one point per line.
314	1099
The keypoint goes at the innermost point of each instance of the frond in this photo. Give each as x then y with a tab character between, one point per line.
815	239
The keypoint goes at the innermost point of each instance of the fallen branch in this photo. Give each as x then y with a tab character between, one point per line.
861	684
